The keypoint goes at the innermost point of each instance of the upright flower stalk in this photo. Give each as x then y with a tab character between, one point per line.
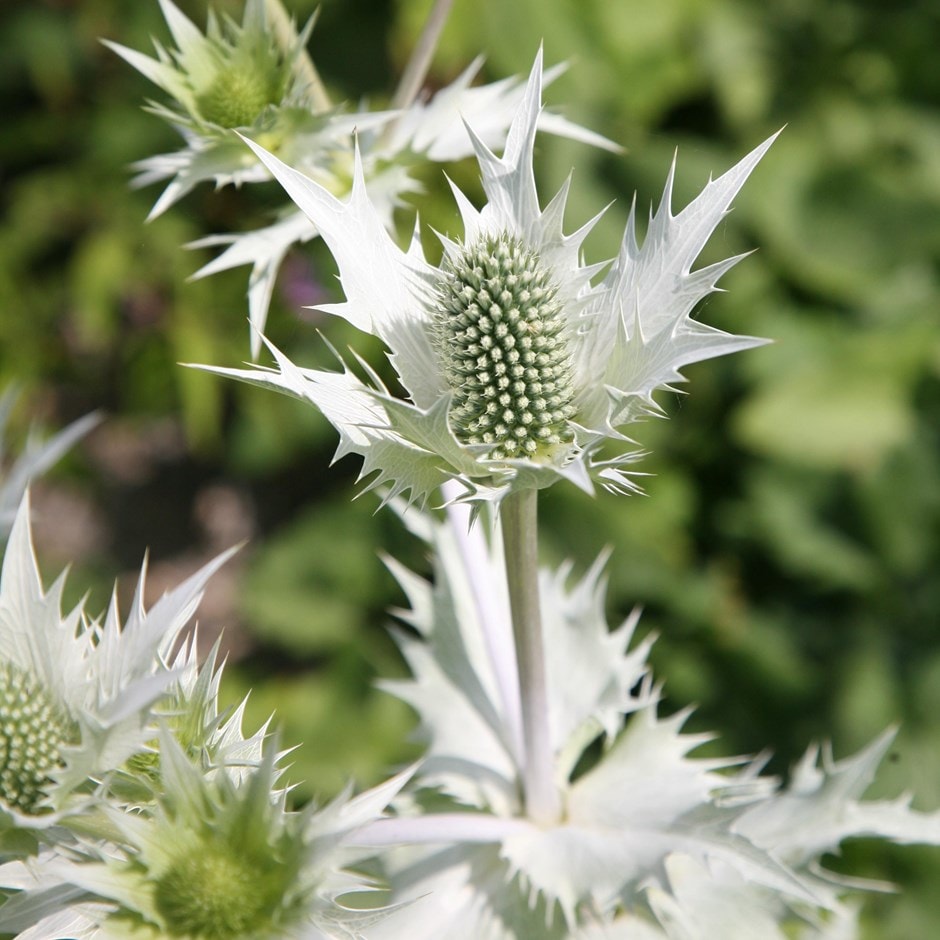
519	522
416	70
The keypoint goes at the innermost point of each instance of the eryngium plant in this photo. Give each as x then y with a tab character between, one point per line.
216	857
520	362
132	804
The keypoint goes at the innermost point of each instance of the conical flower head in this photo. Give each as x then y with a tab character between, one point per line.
75	694
518	363
499	334
217	857
228	76
255	75
34	729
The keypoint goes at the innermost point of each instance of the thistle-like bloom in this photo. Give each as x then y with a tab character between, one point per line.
254	75
518	364
217	858
75	693
652	842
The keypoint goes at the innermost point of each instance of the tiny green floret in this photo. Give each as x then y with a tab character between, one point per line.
500	335
33	729
239	93
214	894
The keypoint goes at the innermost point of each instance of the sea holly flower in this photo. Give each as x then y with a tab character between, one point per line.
253	75
257	76
218	858
75	693
519	365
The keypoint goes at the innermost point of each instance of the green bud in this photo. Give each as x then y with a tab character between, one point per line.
213	893
239	93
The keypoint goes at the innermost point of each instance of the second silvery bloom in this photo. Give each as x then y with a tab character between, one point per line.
519	365
76	694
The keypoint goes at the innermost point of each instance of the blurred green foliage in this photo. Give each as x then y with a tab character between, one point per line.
787	551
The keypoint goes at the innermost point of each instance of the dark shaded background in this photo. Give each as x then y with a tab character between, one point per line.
787	551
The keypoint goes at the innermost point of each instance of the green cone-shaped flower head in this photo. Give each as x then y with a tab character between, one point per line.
220	857
219	891
501	338
240	90
230	75
34	727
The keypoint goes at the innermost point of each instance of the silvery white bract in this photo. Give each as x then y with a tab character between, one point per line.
436	128
37	456
218	857
75	693
822	806
496	873
466	687
695	902
652	842
258	77
40	906
518	364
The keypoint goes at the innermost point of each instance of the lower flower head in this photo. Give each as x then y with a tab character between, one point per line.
217	893
220	857
33	729
76	694
500	338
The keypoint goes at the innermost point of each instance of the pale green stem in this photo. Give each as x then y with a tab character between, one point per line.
519	521
417	69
